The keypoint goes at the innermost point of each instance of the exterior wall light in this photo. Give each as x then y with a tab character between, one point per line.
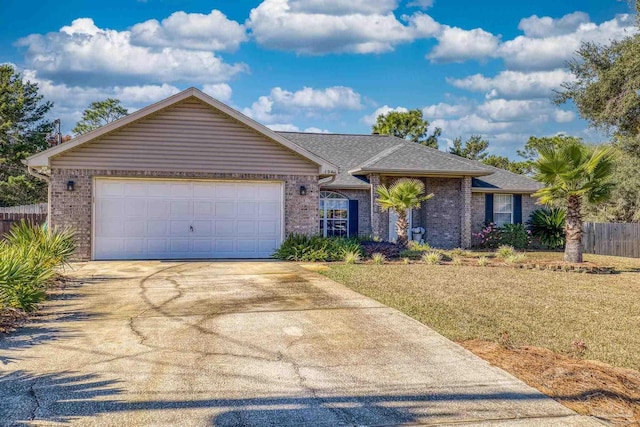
303	190
71	185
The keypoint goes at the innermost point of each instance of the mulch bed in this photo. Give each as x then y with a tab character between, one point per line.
585	386
11	319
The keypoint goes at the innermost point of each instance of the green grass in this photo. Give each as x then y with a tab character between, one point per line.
541	308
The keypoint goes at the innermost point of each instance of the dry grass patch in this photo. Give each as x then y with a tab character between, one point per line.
540	308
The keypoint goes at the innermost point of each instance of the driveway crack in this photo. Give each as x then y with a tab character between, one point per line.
34	397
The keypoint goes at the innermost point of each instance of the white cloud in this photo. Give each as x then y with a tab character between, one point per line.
288	127
371	118
281	103
515	84
546	26
458	45
220	91
83	49
422	4
318	27
552	51
444	110
502	110
343	7
190	31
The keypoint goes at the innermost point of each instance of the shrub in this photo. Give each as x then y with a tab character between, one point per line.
300	247
352	257
456	261
483	261
515	235
458	252
28	261
547	225
378	258
505	251
488	237
432	258
405	261
389	250
492	236
420	247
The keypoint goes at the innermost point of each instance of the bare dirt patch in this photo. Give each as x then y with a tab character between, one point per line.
585	386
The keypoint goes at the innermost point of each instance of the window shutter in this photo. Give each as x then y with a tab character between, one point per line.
517	208
353	218
488	208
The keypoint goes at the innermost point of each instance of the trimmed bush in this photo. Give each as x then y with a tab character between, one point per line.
515	235
300	247
547	225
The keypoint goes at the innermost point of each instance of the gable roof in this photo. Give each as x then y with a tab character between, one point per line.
42	159
358	155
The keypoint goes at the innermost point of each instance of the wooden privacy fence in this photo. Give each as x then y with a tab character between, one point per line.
617	239
36	214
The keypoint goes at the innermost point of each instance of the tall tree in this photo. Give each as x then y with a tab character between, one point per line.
605	89
474	148
403	195
574	174
502	162
23	132
409	125
99	114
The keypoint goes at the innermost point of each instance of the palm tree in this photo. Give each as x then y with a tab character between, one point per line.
574	174
403	195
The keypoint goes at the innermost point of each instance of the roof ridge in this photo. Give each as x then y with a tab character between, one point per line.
455	157
333	133
381	155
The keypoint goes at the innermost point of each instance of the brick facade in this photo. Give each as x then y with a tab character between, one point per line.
364	208
74	208
478	204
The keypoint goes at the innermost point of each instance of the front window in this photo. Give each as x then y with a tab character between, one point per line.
334	215
503	209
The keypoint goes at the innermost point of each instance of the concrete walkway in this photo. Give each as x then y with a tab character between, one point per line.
242	344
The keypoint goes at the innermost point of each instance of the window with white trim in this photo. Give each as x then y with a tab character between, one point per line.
334	215
503	209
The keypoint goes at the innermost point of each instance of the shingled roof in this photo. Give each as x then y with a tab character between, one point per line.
358	155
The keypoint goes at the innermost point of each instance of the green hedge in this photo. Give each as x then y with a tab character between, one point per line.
299	247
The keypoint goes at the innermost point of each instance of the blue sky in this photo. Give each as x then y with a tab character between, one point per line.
485	68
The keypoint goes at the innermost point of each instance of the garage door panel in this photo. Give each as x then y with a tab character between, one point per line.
161	219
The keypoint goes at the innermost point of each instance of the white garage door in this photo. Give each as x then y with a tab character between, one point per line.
161	219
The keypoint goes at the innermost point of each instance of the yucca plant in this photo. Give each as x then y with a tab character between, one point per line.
483	261
548	226
352	257
23	277
378	258
574	174
432	258
403	195
52	247
505	251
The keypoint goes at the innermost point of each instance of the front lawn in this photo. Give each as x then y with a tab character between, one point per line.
512	317
525	307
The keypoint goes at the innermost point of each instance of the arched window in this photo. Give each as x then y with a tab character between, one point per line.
334	214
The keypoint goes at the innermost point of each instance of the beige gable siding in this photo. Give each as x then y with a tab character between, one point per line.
188	137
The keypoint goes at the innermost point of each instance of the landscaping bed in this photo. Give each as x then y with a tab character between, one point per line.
572	336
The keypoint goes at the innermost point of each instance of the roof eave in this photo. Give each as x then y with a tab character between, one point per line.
503	190
420	172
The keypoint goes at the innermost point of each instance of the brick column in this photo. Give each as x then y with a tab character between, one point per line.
465	229
377	219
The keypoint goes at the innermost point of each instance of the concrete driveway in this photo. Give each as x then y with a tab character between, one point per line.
245	343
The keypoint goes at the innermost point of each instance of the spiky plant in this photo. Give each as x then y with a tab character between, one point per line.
403	195
432	258
574	174
505	251
378	258
548	226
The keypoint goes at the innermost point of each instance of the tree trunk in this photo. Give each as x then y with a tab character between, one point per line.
403	229
573	231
